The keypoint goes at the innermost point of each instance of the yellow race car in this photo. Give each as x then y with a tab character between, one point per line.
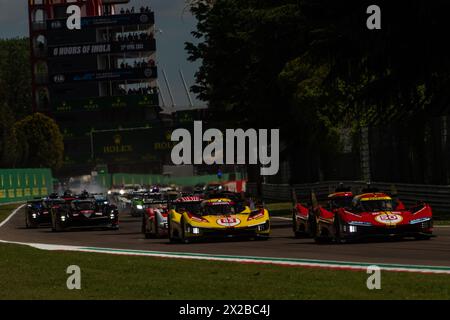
192	218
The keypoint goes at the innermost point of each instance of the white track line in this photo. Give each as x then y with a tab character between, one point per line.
11	215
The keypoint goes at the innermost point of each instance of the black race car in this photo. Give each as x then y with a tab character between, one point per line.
37	212
84	213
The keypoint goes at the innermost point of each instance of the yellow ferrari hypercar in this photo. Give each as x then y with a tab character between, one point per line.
192	218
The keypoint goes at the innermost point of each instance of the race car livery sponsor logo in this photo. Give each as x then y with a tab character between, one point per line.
389	218
376	198
228	222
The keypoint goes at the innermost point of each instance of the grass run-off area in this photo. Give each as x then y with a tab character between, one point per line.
27	273
6	210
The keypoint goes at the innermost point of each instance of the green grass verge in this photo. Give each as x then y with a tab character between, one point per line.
6	210
27	273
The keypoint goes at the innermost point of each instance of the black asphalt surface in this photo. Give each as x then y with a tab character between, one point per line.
434	252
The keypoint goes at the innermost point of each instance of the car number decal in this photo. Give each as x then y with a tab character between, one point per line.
389	218
228	222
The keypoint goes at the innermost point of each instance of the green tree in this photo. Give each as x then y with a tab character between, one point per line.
41	142
8	139
15	76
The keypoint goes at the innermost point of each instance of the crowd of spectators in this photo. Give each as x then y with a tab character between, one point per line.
137	64
137	91
143	36
141	10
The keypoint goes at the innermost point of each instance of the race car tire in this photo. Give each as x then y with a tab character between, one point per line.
147	235
29	224
156	228
337	233
56	225
322	237
171	237
183	232
312	221
297	234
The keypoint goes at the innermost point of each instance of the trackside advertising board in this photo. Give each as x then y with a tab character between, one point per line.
24	184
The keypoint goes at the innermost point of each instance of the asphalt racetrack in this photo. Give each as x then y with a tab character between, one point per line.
282	244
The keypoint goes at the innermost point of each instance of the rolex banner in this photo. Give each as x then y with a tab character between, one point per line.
104	103
147	144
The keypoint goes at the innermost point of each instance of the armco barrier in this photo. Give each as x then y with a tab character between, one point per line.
24	184
437	196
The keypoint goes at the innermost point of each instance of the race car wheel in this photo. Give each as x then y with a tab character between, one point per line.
171	237
337	230
312	221
297	234
53	223
28	223
156	228
56	224
323	235
183	232
147	234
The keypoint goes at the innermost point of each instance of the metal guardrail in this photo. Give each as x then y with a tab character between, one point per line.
437	196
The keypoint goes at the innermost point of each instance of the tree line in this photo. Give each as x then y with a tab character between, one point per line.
27	139
313	69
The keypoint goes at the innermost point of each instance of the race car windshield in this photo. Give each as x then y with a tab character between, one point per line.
83	205
341	202
377	205
217	210
193	208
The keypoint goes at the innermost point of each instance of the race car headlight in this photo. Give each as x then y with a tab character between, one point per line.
360	223
112	215
419	220
352	229
63	218
195	230
140	207
34	215
263	227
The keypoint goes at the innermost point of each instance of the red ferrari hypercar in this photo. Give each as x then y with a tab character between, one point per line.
374	215
304	220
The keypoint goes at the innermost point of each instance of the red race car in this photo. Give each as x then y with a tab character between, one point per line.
304	220
374	215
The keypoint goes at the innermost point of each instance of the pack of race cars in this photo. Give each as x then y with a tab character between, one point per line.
217	214
70	211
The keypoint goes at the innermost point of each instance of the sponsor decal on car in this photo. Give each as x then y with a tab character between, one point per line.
389	218
228	222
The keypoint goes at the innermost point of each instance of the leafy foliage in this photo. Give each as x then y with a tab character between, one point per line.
15	76
41	141
313	69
